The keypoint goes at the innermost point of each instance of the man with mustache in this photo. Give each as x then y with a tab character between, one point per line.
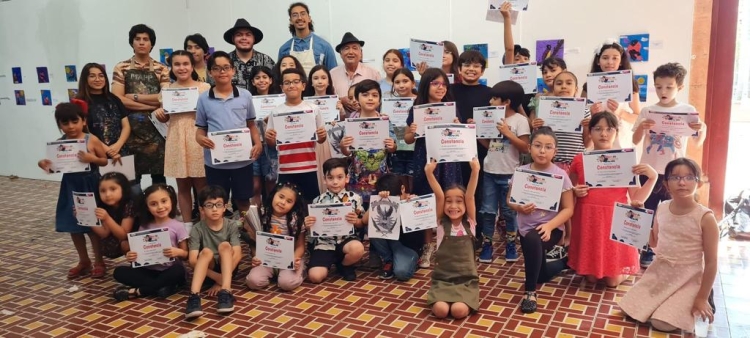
309	48
353	71
244	37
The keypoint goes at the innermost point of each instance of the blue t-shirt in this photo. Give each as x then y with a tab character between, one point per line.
322	50
217	114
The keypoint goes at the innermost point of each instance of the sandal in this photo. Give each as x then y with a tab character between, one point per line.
99	270
528	304
79	270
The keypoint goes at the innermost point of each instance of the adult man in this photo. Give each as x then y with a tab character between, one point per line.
197	45
353	70
137	82
309	48
244	37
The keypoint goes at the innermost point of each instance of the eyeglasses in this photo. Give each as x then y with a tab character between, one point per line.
688	178
213	206
539	146
293	82
224	69
438	84
299	15
609	130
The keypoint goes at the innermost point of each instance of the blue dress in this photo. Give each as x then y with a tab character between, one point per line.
447	174
87	181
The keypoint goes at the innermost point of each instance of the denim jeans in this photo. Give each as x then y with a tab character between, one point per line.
495	189
404	260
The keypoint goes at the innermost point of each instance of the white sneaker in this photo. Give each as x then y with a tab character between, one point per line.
424	261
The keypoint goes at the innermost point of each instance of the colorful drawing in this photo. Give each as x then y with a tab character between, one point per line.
541	86
70	73
42	74
483	81
72	93
17	78
46	97
407	58
164	54
636	46
480	47
642	81
20	97
549	48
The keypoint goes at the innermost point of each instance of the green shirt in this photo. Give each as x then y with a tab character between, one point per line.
201	236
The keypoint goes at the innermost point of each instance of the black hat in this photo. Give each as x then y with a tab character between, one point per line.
242	24
348	38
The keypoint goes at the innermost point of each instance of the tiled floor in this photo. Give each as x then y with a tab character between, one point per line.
33	286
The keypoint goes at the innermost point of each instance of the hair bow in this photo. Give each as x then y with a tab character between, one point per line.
81	103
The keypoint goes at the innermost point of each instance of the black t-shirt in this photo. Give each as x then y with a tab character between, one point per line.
104	121
469	97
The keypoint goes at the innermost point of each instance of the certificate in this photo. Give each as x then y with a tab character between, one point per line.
85	205
426	51
631	226
327	106
295	127
433	113
617	86
64	156
368	132
521	73
397	109
486	120
562	113
150	245
335	135
127	167
230	146
264	104
179	100
610	168
418	213
493	12
674	124
275	251
515	5
330	219
452	142
384	219
543	189
451	78
161	127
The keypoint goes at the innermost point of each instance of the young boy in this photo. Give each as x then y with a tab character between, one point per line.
503	156
659	149
344	251
297	162
214	252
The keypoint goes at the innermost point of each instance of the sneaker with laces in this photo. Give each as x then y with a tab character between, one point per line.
557	253
528	304
387	272
486	255
511	254
647	257
193	309
225	303
424	261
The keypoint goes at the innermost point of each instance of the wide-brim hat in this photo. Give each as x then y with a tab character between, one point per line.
242	24
347	39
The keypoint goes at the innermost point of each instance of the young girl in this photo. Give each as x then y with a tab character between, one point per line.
455	284
183	156
392	61
117	214
540	229
163	280
676	288
433	88
403	163
321	85
71	119
285	63
551	67
284	214
450	62
592	253
264	168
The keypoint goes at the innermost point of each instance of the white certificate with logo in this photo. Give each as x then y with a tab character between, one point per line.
515	5
433	113
295	127
85	205
385	221
522	73
562	113
275	251
179	100
397	109
64	156
230	146
418	213
426	51
264	104
610	168
452	142
451	78
150	245
368	132
127	167
603	86
161	127
543	189
486	120
327	106
330	219
631	225
674	124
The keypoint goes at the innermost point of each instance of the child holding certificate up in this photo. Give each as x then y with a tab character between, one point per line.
541	229
71	119
117	214
592	253
161	280
283	214
675	291
455	283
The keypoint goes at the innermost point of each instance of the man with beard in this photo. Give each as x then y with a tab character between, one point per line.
309	48
244	57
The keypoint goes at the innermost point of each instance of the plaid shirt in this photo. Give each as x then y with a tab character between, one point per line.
242	69
329	243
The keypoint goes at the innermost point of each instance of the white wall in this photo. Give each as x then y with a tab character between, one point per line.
54	33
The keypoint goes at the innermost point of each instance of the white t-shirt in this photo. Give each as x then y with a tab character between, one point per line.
502	157
300	157
659	149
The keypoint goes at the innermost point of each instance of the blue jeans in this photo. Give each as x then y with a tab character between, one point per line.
404	260
495	190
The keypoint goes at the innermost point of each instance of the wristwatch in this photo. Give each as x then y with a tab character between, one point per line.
135	97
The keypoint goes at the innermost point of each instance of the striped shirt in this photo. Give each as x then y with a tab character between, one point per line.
569	144
300	157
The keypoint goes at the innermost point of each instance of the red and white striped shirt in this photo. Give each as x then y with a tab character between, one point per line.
299	157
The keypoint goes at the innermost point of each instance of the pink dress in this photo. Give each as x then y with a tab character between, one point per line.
668	288
591	250
183	156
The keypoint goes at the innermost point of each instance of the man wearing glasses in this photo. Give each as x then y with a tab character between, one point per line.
308	48
244	37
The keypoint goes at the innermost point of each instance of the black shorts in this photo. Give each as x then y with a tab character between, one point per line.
239	181
326	258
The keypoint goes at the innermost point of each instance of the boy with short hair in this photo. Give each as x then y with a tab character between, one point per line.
214	252
344	251
660	149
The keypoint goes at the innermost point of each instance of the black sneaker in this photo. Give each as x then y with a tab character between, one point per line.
121	293
225	303
166	291
528	304
193	309
387	272
557	253
348	273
